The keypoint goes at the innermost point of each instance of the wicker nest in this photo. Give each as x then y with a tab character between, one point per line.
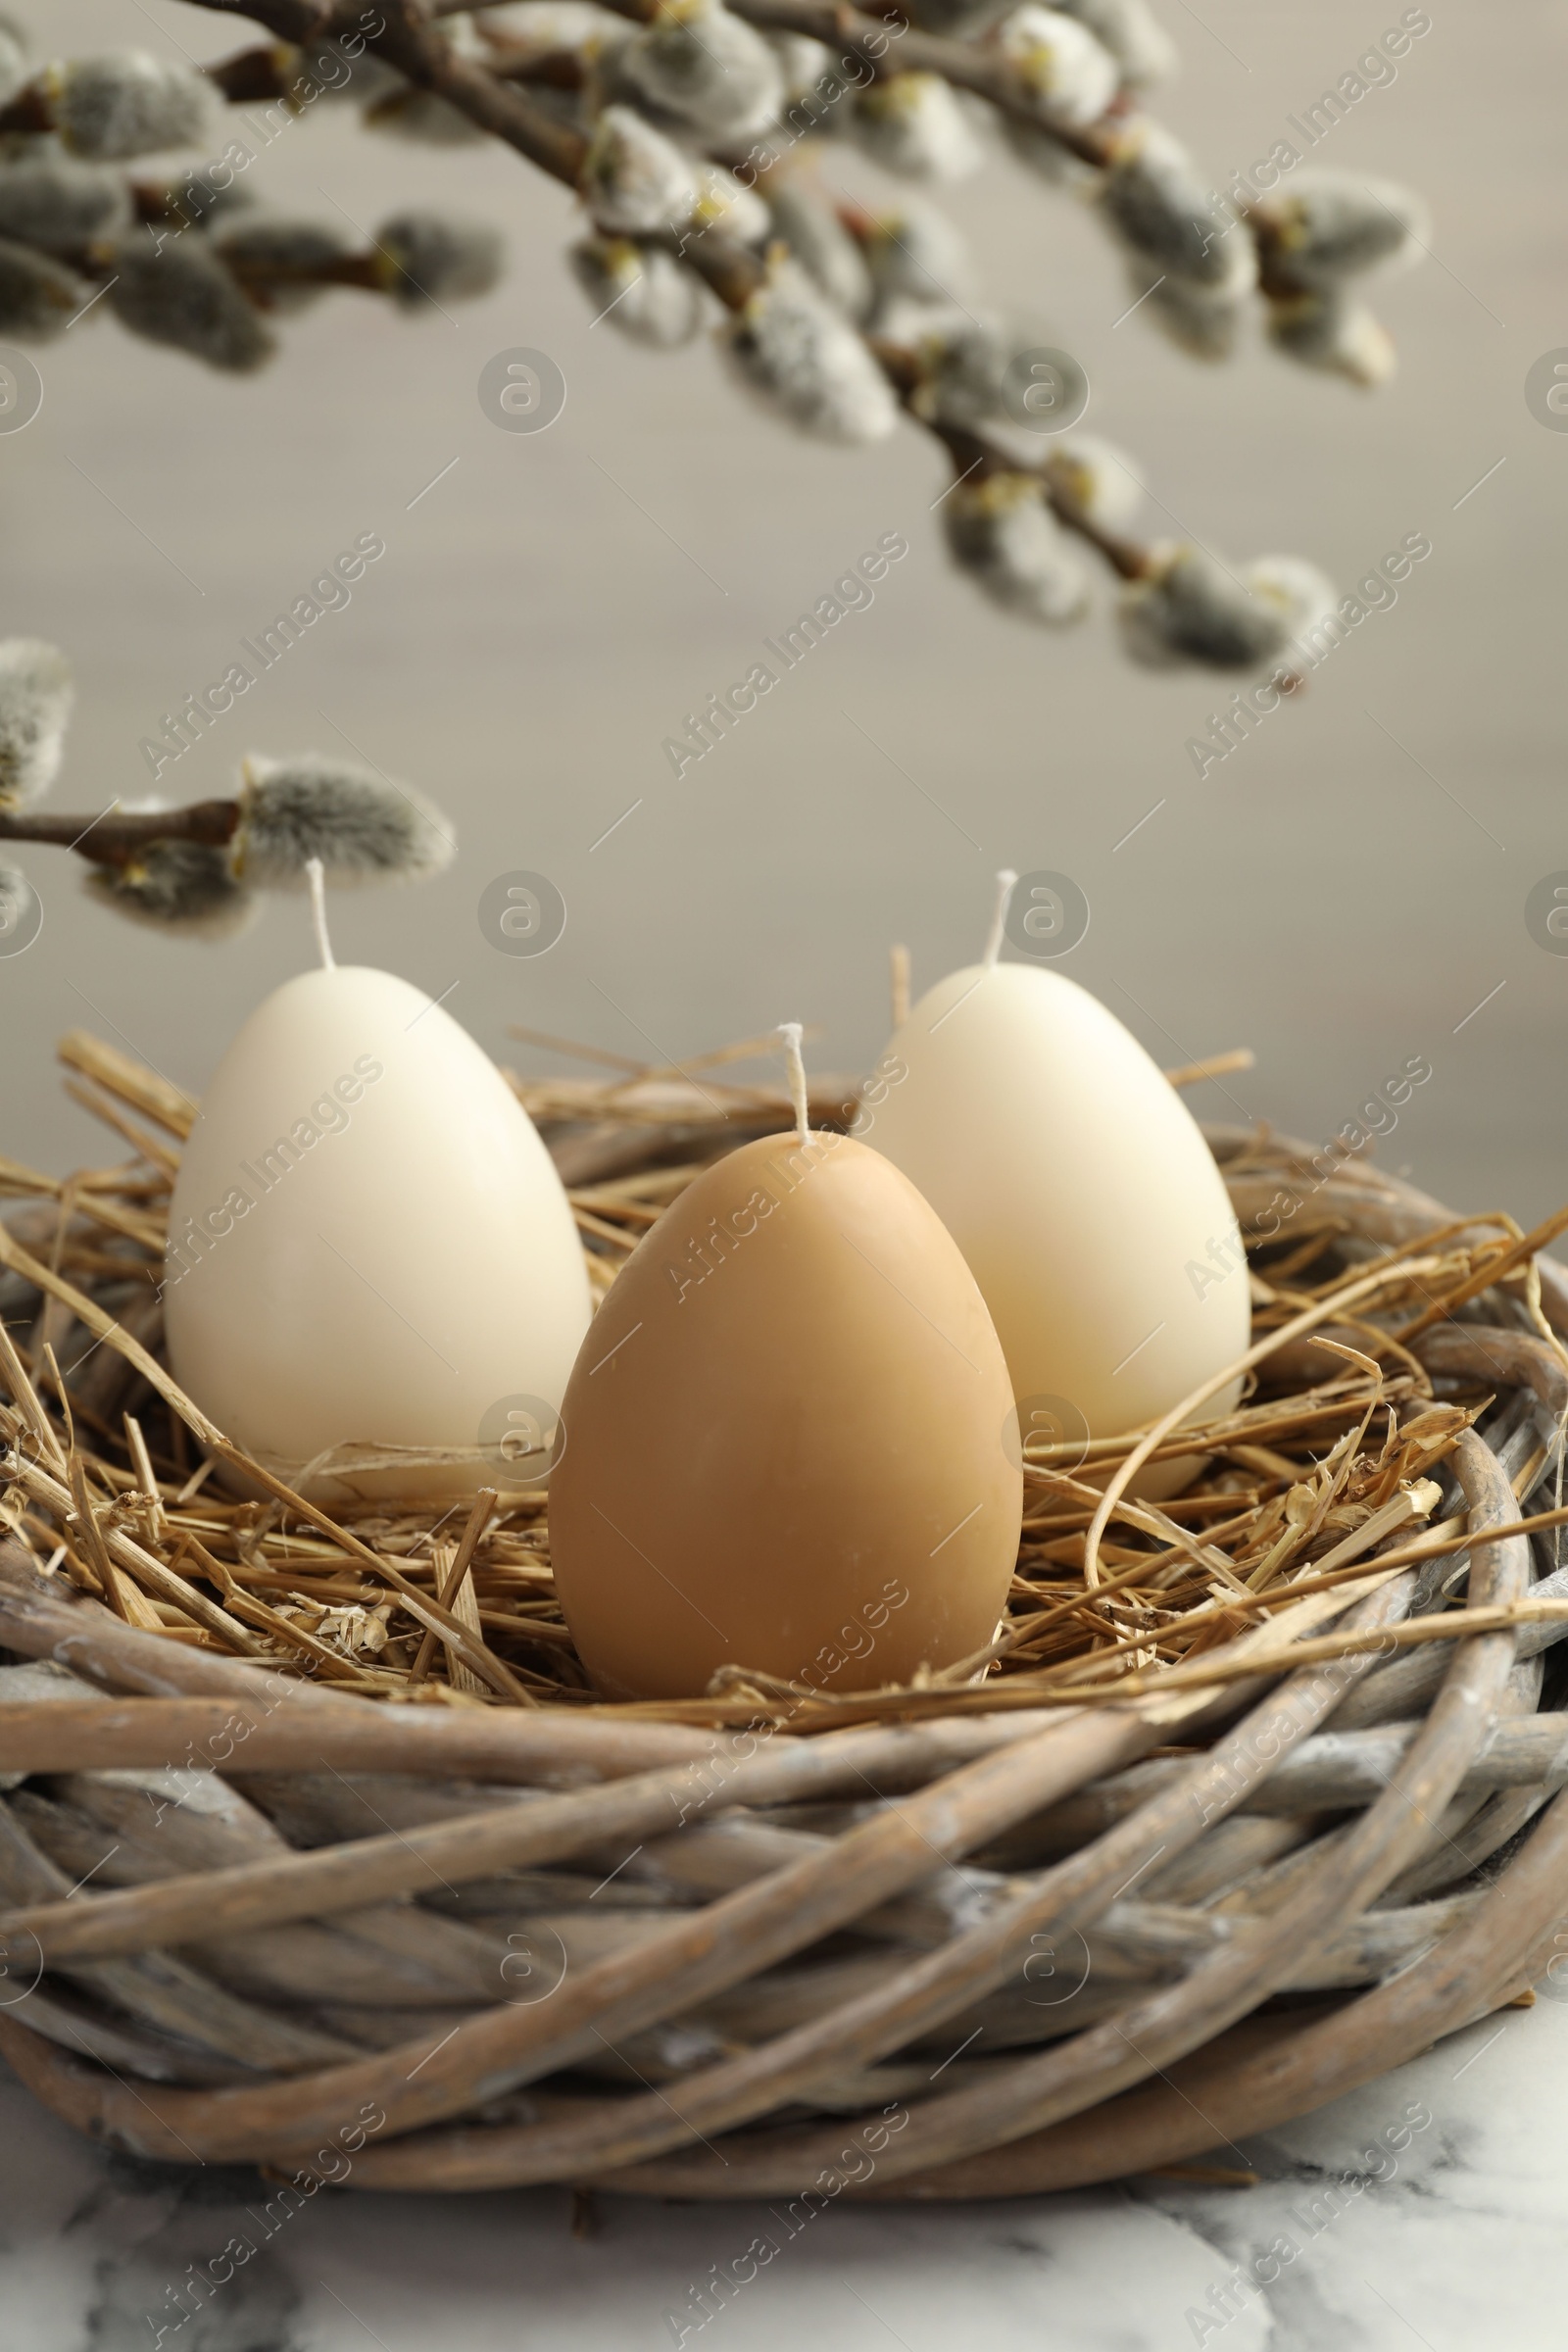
318	1850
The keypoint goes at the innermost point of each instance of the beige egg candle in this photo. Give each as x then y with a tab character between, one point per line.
368	1242
784	1437
1081	1192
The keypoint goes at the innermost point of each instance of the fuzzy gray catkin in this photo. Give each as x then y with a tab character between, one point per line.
912	126
969	370
1100	481
107	109
961	363
1303	594
800	356
1153	199
707	67
18	904
184	887
801	62
361	826
35	699
1000	536
921	329
1143	51
180	293
723	202
1325	226
1056	66
912	249
823	247
819	109
635	180
433	259
641	292
38	296
1190	608
60	205
1203	321
1334	334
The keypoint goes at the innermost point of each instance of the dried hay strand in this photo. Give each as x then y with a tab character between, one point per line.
313	1815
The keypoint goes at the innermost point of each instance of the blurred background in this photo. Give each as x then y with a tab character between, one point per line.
1340	895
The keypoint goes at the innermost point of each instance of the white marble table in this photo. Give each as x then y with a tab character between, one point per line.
1457	2247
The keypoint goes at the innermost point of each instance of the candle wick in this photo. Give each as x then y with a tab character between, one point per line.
791	1033
317	875
1006	881
898	991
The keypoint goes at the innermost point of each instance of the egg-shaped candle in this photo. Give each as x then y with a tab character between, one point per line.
368	1242
785	1438
1081	1192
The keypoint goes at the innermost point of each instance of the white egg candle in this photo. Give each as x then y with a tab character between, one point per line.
1080	1190
368	1242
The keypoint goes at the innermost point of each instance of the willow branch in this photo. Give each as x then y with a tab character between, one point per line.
838	25
253	76
410	41
419	50
422	54
116	840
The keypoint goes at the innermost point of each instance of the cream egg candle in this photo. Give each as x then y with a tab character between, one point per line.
368	1242
1080	1191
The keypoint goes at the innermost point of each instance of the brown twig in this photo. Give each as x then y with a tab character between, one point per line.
116	840
420	51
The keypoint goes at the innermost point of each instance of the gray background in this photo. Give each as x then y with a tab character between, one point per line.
544	616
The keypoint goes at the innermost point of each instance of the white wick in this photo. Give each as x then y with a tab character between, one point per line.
791	1033
898	974
1006	881
316	873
